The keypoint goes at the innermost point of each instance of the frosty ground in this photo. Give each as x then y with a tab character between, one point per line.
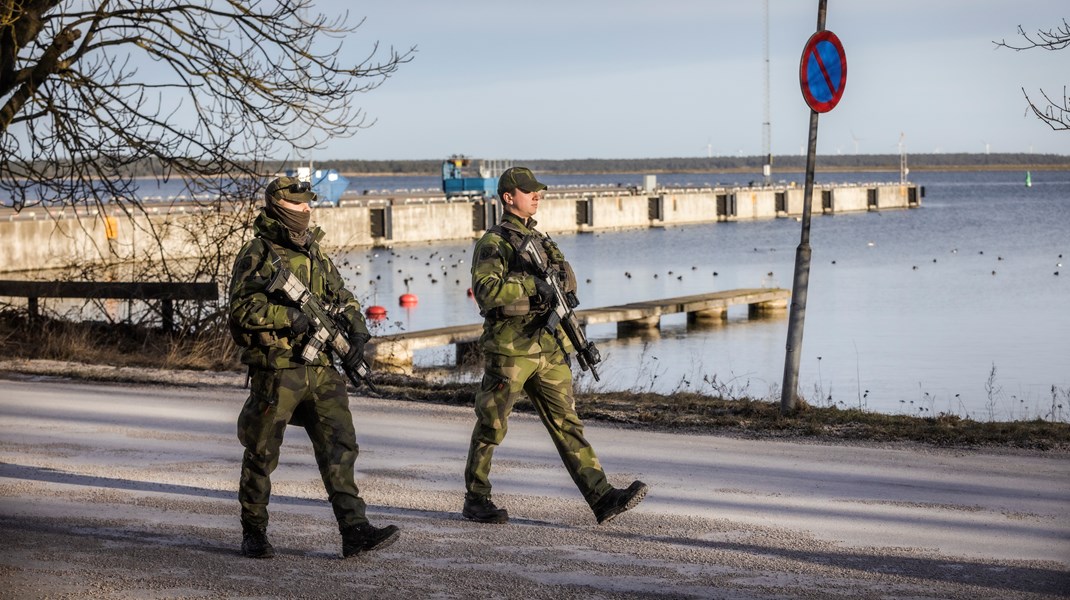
116	490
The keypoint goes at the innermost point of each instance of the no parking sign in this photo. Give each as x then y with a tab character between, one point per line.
823	75
823	71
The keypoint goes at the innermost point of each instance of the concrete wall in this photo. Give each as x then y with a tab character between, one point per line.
409	222
849	199
893	196
35	242
346	227
689	207
621	211
795	197
558	215
45	243
58	242
756	204
432	222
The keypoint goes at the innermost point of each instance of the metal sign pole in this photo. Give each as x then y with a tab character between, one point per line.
801	281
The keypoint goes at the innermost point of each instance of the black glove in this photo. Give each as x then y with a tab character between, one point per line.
544	292
299	323
356	351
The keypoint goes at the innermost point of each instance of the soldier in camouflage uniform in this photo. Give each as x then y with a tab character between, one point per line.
283	388
522	356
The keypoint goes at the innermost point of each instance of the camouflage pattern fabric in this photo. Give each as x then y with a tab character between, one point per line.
259	324
522	357
499	281
284	390
316	398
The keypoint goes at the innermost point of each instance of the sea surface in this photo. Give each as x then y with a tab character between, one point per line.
961	306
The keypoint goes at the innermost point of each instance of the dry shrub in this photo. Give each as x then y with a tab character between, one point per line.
212	351
118	344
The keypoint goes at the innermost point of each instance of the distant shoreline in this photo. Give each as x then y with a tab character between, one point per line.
831	163
860	169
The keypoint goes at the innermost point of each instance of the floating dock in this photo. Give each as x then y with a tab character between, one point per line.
395	352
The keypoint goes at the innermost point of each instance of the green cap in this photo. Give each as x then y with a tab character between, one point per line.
290	189
519	177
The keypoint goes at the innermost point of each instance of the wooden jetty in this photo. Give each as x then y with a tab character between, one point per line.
395	352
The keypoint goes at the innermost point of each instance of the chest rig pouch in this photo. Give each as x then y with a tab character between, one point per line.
550	254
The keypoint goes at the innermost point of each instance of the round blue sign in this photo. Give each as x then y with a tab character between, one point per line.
823	71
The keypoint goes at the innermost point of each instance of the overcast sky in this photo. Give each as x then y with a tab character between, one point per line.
634	78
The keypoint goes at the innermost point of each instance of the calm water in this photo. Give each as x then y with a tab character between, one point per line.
954	307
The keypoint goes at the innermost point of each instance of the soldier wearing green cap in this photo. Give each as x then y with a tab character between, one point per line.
522	356
284	389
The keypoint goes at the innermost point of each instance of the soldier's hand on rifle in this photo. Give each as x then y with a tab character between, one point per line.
544	293
299	323
356	351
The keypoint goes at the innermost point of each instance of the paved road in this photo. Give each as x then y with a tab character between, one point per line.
122	491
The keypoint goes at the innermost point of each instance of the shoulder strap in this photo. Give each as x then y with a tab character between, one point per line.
316	254
276	260
512	236
511	233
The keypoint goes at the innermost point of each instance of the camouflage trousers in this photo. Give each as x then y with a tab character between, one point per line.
314	398
547	380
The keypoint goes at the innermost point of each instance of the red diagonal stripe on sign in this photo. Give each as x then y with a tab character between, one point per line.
821	65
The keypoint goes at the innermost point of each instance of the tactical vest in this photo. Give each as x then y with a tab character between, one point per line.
276	347
515	237
508	231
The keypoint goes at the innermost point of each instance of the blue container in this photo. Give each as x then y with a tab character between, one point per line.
329	185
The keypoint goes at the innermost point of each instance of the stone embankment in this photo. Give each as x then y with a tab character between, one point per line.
40	239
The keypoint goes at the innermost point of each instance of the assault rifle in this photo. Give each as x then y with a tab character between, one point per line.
563	304
324	330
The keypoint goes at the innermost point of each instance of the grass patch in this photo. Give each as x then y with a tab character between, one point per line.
696	413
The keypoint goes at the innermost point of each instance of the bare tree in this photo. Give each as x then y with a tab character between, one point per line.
1057	112
95	97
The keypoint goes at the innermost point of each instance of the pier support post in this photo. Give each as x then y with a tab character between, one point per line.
390	356
707	316
468	352
638	325
760	310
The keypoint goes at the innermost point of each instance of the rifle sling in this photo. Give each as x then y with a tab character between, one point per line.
313	256
515	238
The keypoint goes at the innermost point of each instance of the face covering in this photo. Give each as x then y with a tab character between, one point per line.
296	223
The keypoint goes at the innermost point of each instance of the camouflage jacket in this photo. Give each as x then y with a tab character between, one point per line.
258	322
499	280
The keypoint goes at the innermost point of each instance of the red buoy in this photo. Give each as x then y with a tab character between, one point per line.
375	312
408	300
470	294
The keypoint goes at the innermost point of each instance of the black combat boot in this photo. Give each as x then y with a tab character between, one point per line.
481	509
254	543
364	537
617	501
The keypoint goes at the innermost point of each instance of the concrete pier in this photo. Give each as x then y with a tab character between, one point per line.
42	239
395	352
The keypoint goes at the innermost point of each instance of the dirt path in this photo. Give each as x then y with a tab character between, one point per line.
127	491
